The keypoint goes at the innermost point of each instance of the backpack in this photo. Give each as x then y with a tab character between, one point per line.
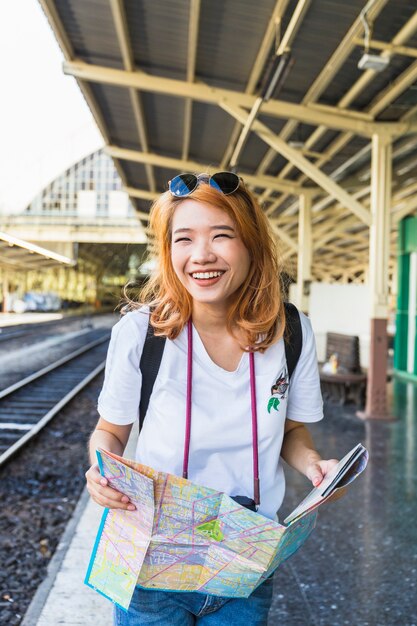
154	346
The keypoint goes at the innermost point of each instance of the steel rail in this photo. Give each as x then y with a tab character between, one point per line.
33	429
19	330
51	367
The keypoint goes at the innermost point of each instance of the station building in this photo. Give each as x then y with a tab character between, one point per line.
85	215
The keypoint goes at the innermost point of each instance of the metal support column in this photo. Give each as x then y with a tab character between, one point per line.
379	250
304	253
5	291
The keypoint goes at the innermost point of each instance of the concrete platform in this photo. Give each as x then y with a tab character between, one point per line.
63	598
358	568
15	319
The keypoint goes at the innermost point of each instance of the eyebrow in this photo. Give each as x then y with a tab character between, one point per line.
219	227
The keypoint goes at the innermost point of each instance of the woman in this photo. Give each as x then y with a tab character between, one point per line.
216	297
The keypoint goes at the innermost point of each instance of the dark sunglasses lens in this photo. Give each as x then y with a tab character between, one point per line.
226	182
183	184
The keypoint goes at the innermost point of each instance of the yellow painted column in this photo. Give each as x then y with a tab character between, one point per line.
304	253
379	250
5	290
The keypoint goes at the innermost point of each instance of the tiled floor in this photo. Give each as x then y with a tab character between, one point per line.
360	565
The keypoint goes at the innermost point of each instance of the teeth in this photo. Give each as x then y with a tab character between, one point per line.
206	274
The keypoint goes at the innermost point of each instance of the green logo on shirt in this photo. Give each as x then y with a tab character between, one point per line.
273	404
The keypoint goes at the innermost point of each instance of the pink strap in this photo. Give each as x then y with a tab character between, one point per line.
256	488
256	495
189	393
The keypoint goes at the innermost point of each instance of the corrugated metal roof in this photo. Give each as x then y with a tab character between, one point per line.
325	24
229	36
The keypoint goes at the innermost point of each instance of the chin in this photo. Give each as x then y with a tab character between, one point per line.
207	299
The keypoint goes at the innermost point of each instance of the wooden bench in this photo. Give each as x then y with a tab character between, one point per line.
349	383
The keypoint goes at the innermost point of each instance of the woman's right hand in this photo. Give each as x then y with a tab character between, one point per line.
100	491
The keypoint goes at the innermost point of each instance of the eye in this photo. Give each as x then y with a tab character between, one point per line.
182	239
223	235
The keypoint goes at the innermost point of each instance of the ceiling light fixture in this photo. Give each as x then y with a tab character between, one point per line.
272	83
375	62
276	75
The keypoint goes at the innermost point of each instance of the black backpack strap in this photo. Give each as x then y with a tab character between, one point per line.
293	337
149	366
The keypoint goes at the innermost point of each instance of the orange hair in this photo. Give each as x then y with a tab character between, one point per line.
257	308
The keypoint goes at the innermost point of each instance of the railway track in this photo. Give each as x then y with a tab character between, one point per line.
28	405
8	333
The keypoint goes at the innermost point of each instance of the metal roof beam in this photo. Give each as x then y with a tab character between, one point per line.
193	166
285	237
399	210
332	228
289	35
401	147
400	38
191	61
257	69
332	118
122	31
390	48
320	84
345	48
303	164
293	26
406	208
142	194
49	8
395	89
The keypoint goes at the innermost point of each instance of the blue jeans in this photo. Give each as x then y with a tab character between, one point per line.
171	608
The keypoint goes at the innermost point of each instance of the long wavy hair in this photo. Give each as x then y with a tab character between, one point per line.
257	308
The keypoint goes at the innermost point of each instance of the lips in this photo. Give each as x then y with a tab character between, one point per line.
206	279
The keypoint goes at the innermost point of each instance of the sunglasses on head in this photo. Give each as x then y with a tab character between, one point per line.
184	184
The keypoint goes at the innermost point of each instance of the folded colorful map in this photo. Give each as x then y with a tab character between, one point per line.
185	537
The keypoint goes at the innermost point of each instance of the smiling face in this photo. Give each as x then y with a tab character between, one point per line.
207	253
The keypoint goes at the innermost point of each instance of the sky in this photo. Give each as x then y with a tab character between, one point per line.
45	124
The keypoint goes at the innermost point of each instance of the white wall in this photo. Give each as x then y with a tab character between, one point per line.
339	309
118	204
87	201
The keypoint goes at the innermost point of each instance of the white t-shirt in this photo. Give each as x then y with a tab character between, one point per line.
221	454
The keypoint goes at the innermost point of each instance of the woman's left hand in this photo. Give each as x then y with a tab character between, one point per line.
318	470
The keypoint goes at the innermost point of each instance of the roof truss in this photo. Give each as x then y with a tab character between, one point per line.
340	204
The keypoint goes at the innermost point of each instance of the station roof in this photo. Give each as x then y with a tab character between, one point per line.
172	83
17	254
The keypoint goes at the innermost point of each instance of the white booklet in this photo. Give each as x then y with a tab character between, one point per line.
341	475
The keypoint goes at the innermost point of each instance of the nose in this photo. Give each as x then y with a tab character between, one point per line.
203	253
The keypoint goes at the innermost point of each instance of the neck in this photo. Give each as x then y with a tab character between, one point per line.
208	318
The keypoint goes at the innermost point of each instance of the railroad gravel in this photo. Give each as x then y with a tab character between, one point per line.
39	489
